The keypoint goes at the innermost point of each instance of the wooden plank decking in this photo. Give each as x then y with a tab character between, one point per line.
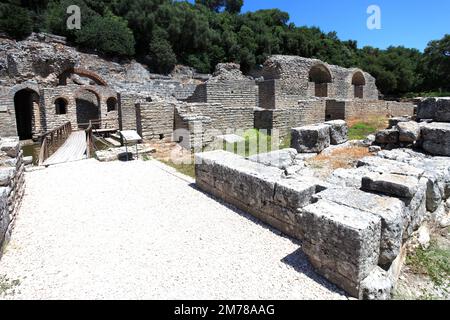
72	150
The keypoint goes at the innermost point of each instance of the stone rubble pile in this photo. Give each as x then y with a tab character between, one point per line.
431	131
12	184
318	137
353	226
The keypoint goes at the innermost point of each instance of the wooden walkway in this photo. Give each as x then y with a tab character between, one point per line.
72	150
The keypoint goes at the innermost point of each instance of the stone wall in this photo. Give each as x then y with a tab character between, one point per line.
231	93
12	185
44	114
352	226
293	80
207	120
155	120
283	119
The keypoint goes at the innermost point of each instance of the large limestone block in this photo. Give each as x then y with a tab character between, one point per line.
416	209
380	165
377	286
342	243
348	177
426	109
442	110
6	175
294	194
391	184
311	139
338	131
390	210
393	122
280	159
436	138
408	131
388	136
10	146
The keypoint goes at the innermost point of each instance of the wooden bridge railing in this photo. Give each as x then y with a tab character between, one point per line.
53	138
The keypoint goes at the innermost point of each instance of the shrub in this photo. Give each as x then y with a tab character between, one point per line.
15	21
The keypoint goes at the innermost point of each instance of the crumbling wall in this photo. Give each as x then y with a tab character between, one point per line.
12	185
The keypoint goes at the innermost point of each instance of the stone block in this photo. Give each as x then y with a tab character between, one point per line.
10	146
391	184
408	131
390	210
348	177
436	138
393	122
426	109
294	194
442	110
377	286
342	243
338	131
388	136
6	175
381	165
310	139
280	159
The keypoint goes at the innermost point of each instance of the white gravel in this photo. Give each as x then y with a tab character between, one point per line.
90	230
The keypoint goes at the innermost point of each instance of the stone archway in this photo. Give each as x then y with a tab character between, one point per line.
320	76
358	82
87	107
26	107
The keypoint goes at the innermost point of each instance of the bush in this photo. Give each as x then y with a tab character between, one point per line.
15	21
109	35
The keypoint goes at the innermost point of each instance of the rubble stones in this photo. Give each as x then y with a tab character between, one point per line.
408	131
436	138
338	131
391	184
280	159
388	136
393	122
377	286
310	139
342	243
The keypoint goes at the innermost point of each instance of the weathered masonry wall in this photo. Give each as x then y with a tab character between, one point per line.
44	114
231	93
283	119
204	121
155	120
12	185
351	234
347	109
293	78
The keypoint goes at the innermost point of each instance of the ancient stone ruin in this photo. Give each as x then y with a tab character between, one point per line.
353	225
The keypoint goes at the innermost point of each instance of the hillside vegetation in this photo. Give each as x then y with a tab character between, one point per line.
162	33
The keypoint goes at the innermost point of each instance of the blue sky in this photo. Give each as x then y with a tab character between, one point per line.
411	23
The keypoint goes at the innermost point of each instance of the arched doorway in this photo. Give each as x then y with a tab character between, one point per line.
87	106
358	82
25	103
320	76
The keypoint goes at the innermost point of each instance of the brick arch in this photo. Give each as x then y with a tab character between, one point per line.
320	73
81	72
90	89
19	87
358	78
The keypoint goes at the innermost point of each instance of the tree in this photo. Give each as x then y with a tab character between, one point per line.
109	35
231	6
15	21
163	59
435	65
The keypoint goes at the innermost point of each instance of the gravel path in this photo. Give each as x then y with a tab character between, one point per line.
90	230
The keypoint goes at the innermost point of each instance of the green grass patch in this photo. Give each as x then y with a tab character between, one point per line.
187	169
434	262
360	131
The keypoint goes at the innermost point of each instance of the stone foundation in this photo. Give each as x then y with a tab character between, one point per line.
12	185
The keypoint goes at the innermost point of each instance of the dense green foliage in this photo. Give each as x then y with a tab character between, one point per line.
163	33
